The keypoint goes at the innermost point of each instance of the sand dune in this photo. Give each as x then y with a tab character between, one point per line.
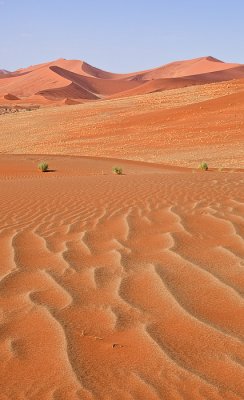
99	86
72	91
182	126
76	79
157	85
10	96
196	66
120	287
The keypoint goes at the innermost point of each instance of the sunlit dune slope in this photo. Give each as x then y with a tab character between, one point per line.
181	127
76	80
195	66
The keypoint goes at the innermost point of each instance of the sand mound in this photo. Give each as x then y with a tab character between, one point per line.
100	87
72	102
178	69
10	96
74	91
55	78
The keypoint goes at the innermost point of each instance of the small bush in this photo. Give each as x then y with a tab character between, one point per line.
43	166
117	170
203	166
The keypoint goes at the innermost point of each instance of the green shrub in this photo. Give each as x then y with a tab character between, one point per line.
43	166
117	170
203	166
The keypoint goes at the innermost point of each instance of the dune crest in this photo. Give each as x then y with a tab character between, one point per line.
4	72
75	79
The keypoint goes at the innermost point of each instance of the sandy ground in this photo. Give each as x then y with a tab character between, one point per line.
178	127
120	287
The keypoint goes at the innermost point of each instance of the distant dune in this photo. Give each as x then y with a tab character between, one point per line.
9	96
55	82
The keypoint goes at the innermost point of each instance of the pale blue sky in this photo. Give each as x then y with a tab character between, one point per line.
119	36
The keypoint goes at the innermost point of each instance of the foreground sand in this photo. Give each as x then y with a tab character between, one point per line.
120	287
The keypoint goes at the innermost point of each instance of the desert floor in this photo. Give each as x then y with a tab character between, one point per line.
177	127
120	287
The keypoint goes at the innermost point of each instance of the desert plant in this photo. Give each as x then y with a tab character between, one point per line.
43	166
117	170
203	166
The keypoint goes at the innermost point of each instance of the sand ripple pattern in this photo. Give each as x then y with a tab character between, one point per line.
122	288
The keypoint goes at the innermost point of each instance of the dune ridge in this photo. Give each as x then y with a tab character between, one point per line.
63	79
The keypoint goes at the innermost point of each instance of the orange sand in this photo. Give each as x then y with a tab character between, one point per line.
120	287
73	80
179	127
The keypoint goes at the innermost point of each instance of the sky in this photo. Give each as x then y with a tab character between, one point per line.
120	36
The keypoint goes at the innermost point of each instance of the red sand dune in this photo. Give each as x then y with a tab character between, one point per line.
77	80
196	66
181	126
10	96
122	287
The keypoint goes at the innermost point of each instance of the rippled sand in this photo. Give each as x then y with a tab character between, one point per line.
120	287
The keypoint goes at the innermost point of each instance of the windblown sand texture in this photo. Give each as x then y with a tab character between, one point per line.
122	287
